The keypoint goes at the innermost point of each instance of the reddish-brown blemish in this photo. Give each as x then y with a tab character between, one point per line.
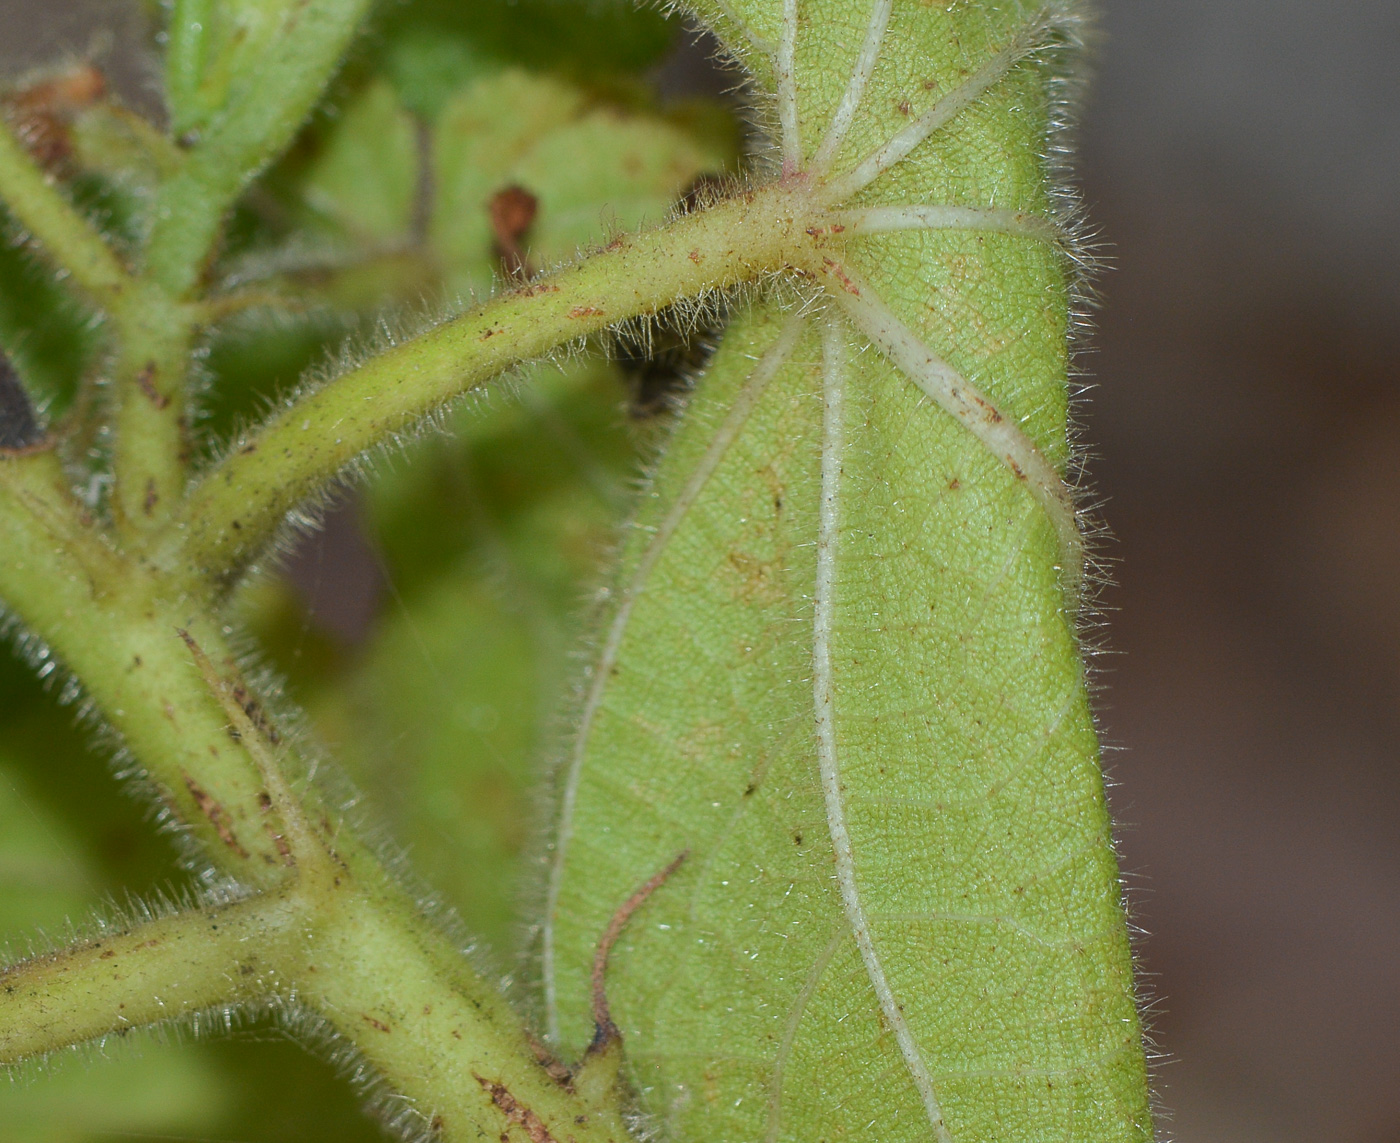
585	311
377	1025
516	1113
146	382
846	284
216	814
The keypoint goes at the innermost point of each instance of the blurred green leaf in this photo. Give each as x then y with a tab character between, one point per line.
365	178
431	47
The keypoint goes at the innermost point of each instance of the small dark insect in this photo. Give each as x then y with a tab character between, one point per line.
19	428
658	369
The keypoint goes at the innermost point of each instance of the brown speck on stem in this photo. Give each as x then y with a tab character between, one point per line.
216	814
516	1113
146	382
554	1068
605	1032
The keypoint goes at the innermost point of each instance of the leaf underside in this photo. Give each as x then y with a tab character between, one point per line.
840	669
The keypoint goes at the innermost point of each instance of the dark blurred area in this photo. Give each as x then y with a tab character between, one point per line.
1242	163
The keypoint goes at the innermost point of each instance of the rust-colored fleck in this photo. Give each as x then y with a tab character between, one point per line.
253	709
108	955
584	311
834	268
695	256
516	1113
989	409
146	382
152	497
284	850
377	1025
556	1069
904	108
216	814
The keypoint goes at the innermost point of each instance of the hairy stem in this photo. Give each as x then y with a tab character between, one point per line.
263	112
155	973
67	238
151	451
383	976
237	507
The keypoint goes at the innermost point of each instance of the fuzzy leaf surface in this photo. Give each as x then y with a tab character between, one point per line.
841	668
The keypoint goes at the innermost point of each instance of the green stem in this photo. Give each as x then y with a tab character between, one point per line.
155	973
69	240
151	451
437	1032
236	509
380	973
117	629
265	109
191	22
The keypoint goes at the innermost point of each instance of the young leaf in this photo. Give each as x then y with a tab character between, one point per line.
841	668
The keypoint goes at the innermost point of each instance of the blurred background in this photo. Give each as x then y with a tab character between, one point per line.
1242	164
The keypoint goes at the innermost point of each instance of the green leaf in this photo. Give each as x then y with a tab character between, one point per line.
841	669
488	540
431	47
592	167
365	177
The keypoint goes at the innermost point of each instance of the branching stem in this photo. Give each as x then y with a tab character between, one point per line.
238	506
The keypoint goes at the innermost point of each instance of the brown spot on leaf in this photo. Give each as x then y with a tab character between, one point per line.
584	311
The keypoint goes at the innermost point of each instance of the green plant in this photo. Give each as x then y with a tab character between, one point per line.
831	854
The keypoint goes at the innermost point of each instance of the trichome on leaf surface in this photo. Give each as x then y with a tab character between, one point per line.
808	841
